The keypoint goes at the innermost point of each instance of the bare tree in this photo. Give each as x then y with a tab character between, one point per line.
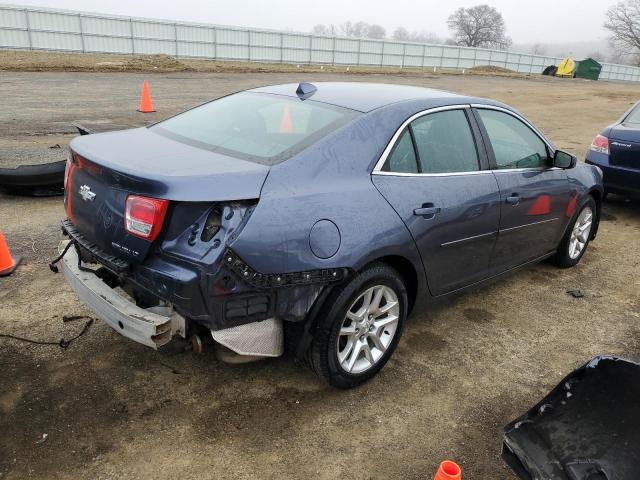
597	55
403	35
623	22
321	29
479	26
350	29
376	31
539	49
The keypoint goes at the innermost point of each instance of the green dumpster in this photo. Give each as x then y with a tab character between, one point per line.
587	68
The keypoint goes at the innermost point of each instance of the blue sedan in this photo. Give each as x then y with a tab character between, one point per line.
616	151
315	218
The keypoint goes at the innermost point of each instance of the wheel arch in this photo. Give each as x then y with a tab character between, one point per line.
597	195
407	272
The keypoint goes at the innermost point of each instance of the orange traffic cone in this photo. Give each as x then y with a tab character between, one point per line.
448	471
7	263
285	122
146	106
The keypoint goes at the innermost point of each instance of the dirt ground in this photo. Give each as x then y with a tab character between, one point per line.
113	409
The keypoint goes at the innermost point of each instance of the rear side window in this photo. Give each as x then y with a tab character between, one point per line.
634	116
445	143
258	127
514	144
403	157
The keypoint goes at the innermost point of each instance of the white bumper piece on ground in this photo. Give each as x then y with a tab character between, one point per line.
153	327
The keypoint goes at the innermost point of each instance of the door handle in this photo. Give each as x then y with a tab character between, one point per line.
513	199
426	211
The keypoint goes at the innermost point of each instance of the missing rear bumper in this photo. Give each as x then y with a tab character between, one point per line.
153	327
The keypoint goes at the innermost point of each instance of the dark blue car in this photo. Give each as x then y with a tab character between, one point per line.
617	152
315	218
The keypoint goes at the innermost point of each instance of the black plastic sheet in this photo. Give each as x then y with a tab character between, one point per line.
587	428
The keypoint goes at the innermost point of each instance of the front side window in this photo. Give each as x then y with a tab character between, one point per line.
262	128
514	144
445	143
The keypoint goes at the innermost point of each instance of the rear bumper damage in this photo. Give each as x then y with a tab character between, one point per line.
153	326
156	326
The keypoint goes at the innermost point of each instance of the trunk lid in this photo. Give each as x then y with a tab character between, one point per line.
110	166
624	145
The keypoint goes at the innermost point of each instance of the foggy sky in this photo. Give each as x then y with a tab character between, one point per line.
528	21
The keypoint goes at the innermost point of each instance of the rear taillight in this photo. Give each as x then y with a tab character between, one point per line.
600	144
144	216
67	171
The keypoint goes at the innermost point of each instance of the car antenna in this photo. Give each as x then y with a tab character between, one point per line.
305	90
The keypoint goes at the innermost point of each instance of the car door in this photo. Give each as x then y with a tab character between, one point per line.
533	193
437	179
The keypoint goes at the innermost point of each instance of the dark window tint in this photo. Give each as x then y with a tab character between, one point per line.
258	127
403	157
445	143
514	144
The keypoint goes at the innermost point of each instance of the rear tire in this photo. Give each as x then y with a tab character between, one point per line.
359	327
578	235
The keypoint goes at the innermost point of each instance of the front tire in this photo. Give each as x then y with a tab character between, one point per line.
359	327
576	239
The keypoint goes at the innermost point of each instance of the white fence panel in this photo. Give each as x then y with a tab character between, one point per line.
232	52
232	37
154	31
14	38
322	43
196	50
195	34
54	22
321	56
53	29
108	27
148	47
56	41
13	18
107	44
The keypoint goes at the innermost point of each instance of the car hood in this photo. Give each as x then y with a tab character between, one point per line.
149	163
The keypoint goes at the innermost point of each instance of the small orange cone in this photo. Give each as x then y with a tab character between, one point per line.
146	105
448	471
7	263
285	123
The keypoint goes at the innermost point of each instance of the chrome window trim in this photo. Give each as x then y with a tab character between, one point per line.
447	174
377	170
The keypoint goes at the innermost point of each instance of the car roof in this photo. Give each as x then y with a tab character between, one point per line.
365	97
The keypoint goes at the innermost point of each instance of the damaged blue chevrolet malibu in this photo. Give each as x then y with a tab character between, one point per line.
315	218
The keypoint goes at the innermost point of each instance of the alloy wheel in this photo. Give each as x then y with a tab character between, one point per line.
368	329
580	233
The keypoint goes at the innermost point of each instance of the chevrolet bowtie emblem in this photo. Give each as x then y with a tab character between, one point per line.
86	193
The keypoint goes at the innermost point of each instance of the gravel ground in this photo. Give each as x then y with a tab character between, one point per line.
115	409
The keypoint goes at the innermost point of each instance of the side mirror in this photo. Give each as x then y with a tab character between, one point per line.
564	160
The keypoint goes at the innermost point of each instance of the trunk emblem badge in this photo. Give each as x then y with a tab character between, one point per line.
86	193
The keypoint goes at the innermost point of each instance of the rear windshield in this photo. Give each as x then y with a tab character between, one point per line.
259	127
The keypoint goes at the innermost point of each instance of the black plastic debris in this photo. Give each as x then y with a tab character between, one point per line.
576	293
82	130
587	428
36	180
